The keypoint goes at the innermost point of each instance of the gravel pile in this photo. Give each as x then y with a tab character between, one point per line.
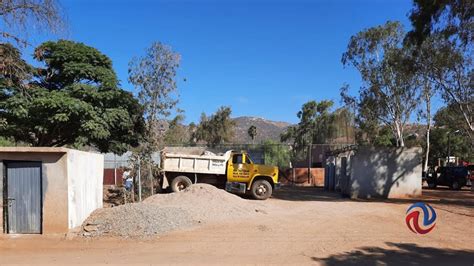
135	220
206	203
161	213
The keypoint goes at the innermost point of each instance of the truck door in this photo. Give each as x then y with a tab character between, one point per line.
239	169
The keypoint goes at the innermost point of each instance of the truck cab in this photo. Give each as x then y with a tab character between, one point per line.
244	176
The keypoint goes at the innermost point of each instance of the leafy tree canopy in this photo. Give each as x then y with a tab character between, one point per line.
315	126
216	129
445	30
73	100
68	63
276	154
451	18
177	132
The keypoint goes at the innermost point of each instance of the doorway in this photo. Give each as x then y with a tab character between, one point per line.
23	185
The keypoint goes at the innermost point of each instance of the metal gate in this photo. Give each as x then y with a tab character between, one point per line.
24	197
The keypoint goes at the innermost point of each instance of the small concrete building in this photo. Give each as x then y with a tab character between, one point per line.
48	190
370	172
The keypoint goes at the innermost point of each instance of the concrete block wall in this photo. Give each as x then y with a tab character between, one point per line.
71	184
54	187
386	173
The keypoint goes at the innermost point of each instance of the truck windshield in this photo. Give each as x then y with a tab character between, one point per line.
247	159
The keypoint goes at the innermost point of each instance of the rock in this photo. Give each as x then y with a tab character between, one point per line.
91	227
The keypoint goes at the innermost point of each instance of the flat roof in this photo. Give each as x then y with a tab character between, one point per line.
35	149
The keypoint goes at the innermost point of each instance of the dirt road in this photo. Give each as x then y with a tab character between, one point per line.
302	226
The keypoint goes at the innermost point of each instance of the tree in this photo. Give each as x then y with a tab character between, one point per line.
451	18
216	129
252	131
448	117
451	71
459	145
4	142
421	63
276	154
14	70
177	133
20	16
366	124
389	91
427	95
447	121
447	28
343	127
73	100
315	126
154	77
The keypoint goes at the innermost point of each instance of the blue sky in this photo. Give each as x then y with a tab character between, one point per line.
262	58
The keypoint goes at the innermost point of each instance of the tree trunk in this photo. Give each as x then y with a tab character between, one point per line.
428	129
402	142
399	135
427	152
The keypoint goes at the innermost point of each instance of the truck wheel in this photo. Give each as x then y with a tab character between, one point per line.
261	189
431	184
455	185
180	183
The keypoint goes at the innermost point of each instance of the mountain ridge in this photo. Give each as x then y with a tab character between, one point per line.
266	129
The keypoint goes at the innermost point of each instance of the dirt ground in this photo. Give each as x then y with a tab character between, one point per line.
302	226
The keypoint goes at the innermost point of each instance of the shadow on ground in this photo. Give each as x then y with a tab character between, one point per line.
400	254
461	198
306	194
454	198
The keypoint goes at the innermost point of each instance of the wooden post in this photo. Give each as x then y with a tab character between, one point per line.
139	181
115	169
150	176
309	162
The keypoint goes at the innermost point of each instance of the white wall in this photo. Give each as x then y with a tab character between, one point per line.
85	177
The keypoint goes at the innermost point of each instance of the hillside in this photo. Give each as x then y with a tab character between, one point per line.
266	129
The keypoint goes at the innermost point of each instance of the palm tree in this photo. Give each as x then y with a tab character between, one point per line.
252	132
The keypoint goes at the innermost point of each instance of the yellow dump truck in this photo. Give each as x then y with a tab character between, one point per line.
234	171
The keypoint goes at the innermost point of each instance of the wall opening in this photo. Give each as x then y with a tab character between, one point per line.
23	197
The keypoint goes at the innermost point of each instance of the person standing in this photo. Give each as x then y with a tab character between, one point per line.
127	179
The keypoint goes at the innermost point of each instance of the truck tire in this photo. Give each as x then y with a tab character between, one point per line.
455	185
180	183
431	184
261	190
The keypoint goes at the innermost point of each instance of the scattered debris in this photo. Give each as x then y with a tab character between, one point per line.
91	227
115	196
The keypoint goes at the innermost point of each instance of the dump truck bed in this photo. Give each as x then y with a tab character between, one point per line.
200	164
